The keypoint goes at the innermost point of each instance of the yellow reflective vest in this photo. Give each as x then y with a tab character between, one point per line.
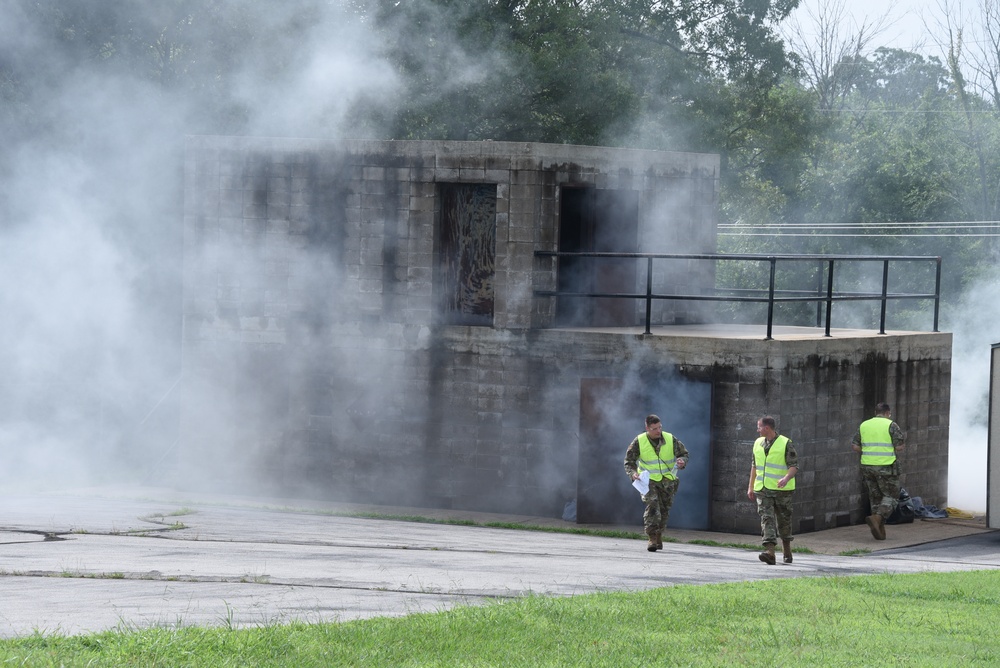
771	467
876	442
661	466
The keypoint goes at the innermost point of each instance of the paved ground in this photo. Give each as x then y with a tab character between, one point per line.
92	560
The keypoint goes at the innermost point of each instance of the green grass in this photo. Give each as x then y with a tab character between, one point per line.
926	619
855	552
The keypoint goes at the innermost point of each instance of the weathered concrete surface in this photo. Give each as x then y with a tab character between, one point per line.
81	562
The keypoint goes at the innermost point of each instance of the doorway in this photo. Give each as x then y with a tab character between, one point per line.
592	220
612	413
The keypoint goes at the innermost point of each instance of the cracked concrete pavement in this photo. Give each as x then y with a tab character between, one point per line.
82	561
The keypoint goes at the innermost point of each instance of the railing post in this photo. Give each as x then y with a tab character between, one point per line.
885	291
770	299
649	293
937	294
819	294
829	296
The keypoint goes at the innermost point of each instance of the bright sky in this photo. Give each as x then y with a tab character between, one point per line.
913	25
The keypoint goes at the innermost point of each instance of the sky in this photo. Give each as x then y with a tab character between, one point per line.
906	24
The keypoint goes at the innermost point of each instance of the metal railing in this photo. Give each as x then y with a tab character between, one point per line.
823	295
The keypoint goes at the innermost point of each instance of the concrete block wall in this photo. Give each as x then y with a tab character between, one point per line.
820	391
511	440
254	207
315	260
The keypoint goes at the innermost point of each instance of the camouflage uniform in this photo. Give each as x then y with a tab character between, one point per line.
882	482
774	505
661	492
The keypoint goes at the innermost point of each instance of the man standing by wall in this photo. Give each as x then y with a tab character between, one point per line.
878	439
772	481
662	455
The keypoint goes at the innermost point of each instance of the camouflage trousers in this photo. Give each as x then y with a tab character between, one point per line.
658	501
775	510
882	484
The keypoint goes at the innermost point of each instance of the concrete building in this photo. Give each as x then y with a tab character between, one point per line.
369	321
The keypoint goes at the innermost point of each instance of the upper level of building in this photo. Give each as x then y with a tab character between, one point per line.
286	232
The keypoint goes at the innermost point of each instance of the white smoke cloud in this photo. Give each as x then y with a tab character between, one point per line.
90	218
330	65
975	332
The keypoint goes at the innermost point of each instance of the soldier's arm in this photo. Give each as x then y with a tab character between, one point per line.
898	437
680	452
631	455
856	441
791	458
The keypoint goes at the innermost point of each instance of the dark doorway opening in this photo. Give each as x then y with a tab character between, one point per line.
593	220
612	413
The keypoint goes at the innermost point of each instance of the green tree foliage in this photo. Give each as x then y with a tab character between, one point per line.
896	149
672	75
633	73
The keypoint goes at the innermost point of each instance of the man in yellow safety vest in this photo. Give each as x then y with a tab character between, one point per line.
772	481
878	439
661	454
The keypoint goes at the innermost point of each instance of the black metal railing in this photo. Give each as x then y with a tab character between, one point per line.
823	295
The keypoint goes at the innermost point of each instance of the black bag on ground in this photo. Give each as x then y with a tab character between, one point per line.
904	512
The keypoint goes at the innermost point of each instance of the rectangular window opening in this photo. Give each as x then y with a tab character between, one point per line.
466	253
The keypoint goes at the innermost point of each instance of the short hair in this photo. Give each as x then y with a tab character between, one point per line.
652	419
882	407
768	421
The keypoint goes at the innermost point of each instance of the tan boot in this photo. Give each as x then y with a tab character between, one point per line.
767	556
877	525
651	546
659	541
786	550
880	525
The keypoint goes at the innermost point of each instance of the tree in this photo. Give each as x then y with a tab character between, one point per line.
833	61
586	72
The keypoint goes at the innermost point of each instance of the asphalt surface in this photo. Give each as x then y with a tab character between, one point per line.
91	560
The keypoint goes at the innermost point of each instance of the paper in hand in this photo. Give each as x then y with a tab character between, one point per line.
642	484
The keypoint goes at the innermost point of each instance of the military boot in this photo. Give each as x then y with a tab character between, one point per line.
767	556
880	525
652	542
877	525
786	550
659	541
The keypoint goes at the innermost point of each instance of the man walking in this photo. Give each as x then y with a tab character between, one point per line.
662	455
772	481
878	439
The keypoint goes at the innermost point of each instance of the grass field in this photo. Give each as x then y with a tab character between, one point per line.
929	619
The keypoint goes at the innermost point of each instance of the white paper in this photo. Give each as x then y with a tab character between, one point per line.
642	484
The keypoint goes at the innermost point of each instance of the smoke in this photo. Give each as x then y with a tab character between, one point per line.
96	100
324	69
974	335
81	217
